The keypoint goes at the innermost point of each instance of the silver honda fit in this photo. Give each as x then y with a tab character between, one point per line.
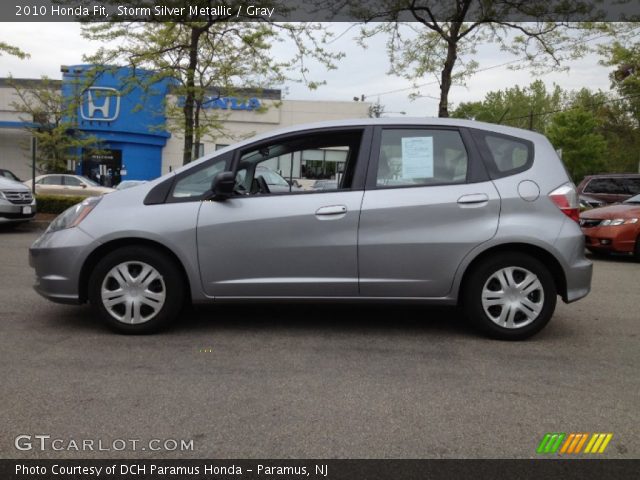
438	211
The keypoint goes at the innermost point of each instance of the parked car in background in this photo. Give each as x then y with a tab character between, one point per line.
587	202
613	229
16	202
501	239
63	184
9	174
129	184
612	187
325	185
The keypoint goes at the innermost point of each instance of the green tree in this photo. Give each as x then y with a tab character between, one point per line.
524	107
50	118
442	40
625	76
219	54
583	149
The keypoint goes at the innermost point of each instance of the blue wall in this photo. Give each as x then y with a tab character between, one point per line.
136	126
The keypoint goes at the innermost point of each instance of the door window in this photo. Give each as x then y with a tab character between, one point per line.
52	180
293	164
72	182
421	157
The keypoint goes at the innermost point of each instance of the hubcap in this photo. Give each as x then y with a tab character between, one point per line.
133	292
513	297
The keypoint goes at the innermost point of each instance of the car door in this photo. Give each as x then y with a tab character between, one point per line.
50	185
74	186
292	244
428	203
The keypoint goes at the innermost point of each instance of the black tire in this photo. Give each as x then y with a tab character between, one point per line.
543	297
168	281
636	251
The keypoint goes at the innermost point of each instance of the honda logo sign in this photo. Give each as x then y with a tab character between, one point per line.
100	104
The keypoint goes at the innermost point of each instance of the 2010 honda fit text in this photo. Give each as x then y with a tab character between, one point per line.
438	211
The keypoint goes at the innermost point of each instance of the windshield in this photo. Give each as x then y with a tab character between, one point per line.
635	199
91	182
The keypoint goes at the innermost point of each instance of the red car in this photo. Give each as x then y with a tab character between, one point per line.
615	228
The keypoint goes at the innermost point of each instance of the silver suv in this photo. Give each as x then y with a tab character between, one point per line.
16	202
436	211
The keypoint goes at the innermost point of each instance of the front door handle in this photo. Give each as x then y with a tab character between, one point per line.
332	210
473	199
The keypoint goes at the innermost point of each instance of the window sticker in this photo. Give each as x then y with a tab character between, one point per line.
417	157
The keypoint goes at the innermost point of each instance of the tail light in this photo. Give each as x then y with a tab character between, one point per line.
566	199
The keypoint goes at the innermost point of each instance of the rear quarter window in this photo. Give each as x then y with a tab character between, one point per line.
504	155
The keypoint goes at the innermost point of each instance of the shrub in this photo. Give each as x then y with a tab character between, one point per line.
56	203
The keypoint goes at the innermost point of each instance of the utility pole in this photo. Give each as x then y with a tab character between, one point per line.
34	146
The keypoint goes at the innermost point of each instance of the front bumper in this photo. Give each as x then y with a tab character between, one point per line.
618	239
13	212
57	259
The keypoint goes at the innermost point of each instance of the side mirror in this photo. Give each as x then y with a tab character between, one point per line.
84	185
223	185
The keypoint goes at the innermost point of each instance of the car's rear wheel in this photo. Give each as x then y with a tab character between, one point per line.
510	296
137	290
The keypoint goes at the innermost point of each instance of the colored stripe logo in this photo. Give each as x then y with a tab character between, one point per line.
574	443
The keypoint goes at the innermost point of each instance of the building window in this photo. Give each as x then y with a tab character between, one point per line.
220	146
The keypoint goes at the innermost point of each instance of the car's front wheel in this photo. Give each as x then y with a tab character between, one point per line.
510	296
137	290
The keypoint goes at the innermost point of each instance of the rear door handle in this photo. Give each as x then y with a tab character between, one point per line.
332	210
473	199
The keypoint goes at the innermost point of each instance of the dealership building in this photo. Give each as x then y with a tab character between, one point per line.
131	122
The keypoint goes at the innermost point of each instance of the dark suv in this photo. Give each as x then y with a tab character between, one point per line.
612	187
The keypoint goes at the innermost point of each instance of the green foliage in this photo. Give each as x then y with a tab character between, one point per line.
517	107
12	50
625	77
56	203
50	118
583	149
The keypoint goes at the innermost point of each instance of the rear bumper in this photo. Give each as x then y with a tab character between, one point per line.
578	270
57	259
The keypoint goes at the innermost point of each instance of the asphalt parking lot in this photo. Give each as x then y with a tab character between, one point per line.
309	381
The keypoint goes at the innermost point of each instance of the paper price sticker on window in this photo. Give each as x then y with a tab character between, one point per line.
417	157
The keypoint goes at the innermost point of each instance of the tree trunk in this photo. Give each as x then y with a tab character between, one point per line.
449	63
189	101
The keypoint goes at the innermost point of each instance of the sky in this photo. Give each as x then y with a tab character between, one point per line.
361	72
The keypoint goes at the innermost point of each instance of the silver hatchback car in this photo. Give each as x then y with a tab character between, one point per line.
437	211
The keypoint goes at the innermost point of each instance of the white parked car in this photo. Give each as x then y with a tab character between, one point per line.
62	184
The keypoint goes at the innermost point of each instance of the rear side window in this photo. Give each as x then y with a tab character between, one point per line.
421	157
632	185
504	155
606	185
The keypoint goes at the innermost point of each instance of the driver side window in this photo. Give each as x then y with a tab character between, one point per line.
322	161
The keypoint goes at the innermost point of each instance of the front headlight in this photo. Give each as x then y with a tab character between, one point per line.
614	222
72	216
2	195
